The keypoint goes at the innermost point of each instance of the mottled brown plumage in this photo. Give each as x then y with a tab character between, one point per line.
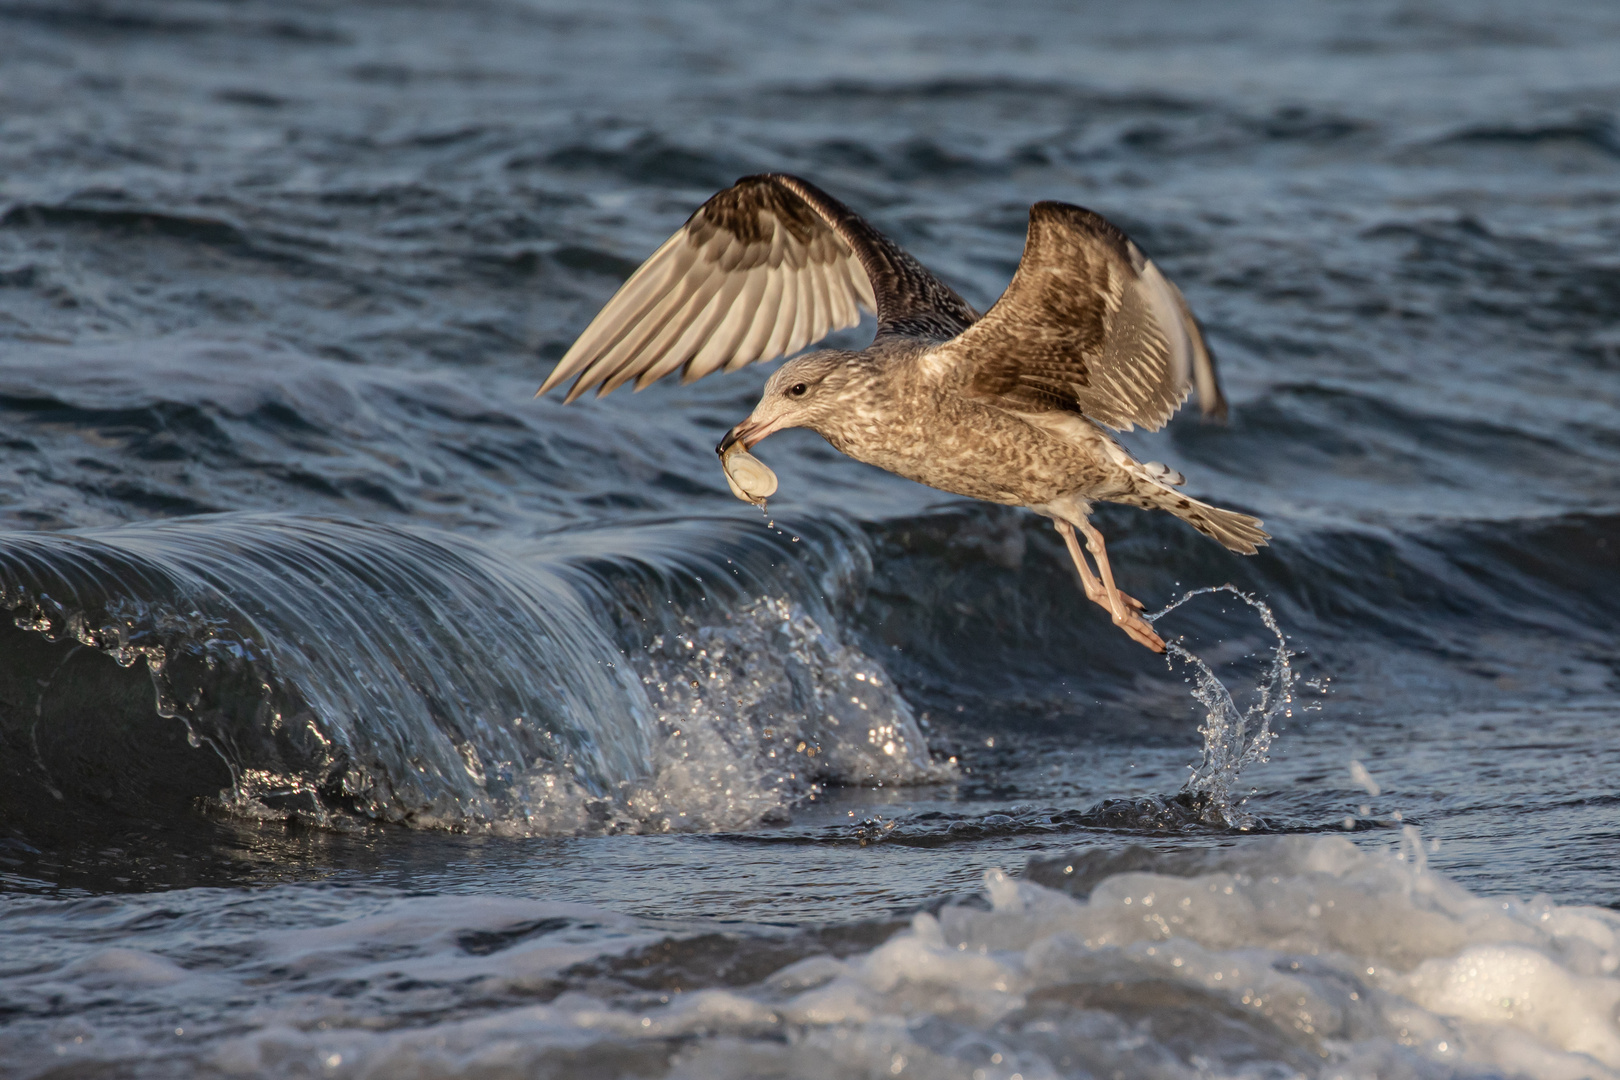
1010	408
1089	325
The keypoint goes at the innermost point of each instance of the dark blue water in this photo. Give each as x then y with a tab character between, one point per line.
361	716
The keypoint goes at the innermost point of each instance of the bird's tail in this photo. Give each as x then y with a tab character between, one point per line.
1239	532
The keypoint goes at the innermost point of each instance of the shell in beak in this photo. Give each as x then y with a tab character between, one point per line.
749	478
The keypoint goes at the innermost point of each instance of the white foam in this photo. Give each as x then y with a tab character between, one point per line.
123	967
1287	956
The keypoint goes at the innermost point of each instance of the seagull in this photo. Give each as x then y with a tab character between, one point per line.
1013	407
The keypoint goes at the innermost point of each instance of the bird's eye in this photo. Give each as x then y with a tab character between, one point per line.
798	389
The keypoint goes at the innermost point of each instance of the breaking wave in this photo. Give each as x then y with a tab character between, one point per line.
339	669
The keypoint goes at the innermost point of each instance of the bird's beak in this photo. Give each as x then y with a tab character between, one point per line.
748	433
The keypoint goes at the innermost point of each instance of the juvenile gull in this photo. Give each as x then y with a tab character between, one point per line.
1011	407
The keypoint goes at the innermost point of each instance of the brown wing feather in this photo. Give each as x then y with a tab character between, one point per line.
1089	324
909	300
764	268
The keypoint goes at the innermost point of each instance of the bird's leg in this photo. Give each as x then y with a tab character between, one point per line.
1088	580
1123	608
1094	588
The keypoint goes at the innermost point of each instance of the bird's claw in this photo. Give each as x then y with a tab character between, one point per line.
1139	630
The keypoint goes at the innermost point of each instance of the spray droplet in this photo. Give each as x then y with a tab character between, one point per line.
1364	779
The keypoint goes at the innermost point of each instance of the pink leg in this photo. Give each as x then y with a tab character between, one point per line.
1088	580
1105	593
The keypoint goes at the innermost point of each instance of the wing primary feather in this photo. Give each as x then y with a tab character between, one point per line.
860	290
786	311
701	332
629	346
763	323
1206	377
865	296
699	329
838	294
804	308
626	307
822	321
828	307
726	341
674	330
757	326
630	336
658	347
765	267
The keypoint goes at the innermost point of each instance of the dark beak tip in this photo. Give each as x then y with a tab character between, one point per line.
731	437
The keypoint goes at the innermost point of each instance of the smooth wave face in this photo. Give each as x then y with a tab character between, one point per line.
361	715
335	667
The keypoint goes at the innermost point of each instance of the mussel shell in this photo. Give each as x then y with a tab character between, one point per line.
751	480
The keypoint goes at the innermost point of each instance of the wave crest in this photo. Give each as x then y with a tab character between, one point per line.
345	671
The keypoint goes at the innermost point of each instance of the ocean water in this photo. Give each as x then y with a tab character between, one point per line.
361	716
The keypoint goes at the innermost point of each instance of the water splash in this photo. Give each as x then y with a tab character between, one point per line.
1233	738
760	711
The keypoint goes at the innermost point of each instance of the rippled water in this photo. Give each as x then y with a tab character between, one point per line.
362	716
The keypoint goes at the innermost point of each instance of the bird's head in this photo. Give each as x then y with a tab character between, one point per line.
807	391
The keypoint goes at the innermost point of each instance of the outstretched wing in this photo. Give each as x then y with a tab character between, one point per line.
1089	324
761	270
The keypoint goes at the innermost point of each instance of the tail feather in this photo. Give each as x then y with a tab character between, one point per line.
1239	532
1153	487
